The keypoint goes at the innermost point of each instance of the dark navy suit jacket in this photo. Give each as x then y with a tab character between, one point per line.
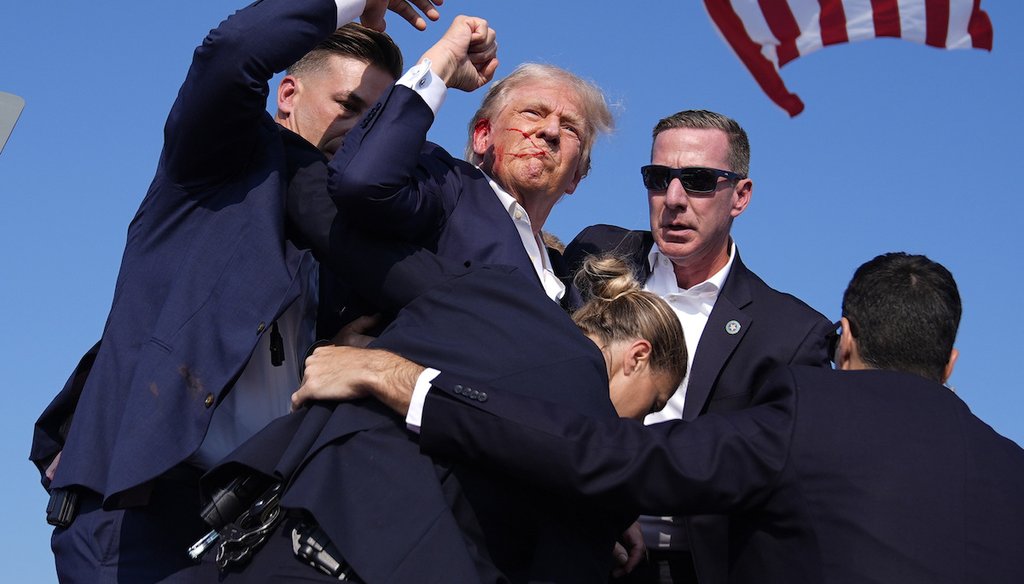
206	266
401	186
394	513
775	329
833	477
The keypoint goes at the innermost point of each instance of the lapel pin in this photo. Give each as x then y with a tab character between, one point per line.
732	327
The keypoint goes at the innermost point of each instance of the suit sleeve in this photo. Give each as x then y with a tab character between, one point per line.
813	349
220	112
389	177
716	464
51	429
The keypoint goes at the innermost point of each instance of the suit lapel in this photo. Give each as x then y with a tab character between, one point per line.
501	229
719	339
572	299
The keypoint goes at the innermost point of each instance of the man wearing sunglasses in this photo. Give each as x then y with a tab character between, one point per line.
737	328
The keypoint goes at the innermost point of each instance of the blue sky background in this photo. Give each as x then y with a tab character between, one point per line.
901	147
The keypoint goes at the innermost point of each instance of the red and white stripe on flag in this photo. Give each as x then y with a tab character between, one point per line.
767	34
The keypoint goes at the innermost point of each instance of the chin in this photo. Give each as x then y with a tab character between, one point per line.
672	250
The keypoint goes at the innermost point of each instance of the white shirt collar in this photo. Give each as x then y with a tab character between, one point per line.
534	246
663	276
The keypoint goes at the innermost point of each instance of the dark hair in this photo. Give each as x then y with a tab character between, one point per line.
739	145
356	42
904	311
618	309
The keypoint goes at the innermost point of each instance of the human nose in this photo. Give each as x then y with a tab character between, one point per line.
549	128
675	194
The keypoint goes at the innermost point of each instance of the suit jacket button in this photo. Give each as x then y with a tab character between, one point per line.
457	389
209	400
261	327
483	396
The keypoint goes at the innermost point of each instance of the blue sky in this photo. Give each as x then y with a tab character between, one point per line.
901	147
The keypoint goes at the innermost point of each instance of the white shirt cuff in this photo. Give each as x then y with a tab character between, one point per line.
349	10
425	82
414	418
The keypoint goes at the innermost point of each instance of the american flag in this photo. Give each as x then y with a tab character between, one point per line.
767	34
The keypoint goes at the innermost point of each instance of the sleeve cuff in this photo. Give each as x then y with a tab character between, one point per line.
414	418
423	81
349	10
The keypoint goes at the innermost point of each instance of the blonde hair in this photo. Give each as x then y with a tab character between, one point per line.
596	115
618	309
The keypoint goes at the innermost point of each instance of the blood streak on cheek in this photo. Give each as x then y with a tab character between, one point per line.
529	139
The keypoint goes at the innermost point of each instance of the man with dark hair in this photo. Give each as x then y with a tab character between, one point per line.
870	473
216	299
738	329
881	309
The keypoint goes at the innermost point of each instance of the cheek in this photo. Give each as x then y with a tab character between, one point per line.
656	205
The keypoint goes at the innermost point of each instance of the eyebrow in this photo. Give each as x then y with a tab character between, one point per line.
352	98
571	118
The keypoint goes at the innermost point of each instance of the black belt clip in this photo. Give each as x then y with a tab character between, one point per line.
62	508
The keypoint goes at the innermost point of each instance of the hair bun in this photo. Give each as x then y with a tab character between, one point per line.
606	277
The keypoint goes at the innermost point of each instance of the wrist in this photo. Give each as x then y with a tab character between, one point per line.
394	380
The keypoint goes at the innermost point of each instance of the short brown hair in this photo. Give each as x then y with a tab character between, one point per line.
356	42
739	145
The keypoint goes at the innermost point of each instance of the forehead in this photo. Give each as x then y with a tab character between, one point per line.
341	73
550	94
679	147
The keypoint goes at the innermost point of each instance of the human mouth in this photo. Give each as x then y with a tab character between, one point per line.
676	231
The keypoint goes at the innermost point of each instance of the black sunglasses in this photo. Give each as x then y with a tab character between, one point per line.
695	179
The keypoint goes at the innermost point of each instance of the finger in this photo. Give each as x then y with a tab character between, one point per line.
636	554
365	323
427	8
298	398
406	11
488	71
481	55
478	26
484	43
373	16
619	555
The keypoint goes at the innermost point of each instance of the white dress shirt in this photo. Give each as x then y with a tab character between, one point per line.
693	307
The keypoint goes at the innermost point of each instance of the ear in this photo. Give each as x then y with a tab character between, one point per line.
286	93
482	139
637	356
953	355
741	197
847	351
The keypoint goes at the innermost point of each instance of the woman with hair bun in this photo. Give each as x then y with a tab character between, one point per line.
493	326
638	334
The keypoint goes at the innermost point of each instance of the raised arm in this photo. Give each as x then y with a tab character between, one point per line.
386	174
220	110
